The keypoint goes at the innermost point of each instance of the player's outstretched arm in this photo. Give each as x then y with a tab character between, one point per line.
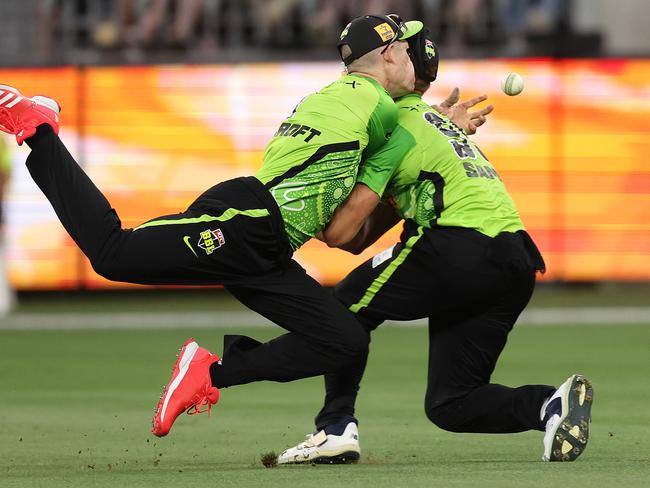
459	113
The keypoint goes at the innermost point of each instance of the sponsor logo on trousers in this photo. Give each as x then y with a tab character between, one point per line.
211	240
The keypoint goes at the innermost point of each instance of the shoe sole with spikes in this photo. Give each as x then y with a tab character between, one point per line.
571	434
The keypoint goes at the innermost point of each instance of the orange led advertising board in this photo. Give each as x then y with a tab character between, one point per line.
571	150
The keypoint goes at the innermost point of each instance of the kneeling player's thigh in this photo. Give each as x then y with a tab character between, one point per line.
462	355
464	349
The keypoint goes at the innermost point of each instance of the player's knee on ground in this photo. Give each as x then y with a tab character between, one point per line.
447	416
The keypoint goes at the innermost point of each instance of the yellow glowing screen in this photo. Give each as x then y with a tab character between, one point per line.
571	149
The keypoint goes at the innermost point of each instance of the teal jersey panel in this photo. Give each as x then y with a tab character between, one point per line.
311	163
445	179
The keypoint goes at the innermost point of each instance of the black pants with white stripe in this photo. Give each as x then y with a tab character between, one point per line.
231	235
472	288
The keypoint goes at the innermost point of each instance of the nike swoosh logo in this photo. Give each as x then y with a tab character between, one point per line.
186	240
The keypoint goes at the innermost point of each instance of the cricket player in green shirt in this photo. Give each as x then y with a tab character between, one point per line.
465	262
242	233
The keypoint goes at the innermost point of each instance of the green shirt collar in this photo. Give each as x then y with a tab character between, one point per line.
414	95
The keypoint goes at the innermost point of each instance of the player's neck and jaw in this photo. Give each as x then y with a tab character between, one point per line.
421	87
392	69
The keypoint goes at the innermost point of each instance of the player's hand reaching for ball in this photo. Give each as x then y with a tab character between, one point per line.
459	113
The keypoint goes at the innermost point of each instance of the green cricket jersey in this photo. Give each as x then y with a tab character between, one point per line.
443	178
311	163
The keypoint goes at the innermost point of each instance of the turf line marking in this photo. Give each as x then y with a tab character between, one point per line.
222	319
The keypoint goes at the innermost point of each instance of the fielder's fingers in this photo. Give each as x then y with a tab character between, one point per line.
481	113
473	101
471	129
487	110
479	121
452	99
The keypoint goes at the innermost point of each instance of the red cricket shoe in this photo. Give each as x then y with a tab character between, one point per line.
21	115
189	389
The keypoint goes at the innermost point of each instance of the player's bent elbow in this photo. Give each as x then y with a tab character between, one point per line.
346	244
336	239
356	250
353	247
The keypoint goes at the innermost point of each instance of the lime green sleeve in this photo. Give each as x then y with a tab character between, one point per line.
381	124
378	169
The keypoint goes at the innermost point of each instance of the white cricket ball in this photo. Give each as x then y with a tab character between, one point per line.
512	84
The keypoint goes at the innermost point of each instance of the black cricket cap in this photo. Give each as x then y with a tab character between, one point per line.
424	55
369	32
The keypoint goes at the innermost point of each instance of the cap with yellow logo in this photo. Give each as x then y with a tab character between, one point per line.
369	32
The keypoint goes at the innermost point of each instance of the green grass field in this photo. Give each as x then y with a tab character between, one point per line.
76	409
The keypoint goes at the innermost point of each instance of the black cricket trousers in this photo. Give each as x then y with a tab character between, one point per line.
472	288
231	235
